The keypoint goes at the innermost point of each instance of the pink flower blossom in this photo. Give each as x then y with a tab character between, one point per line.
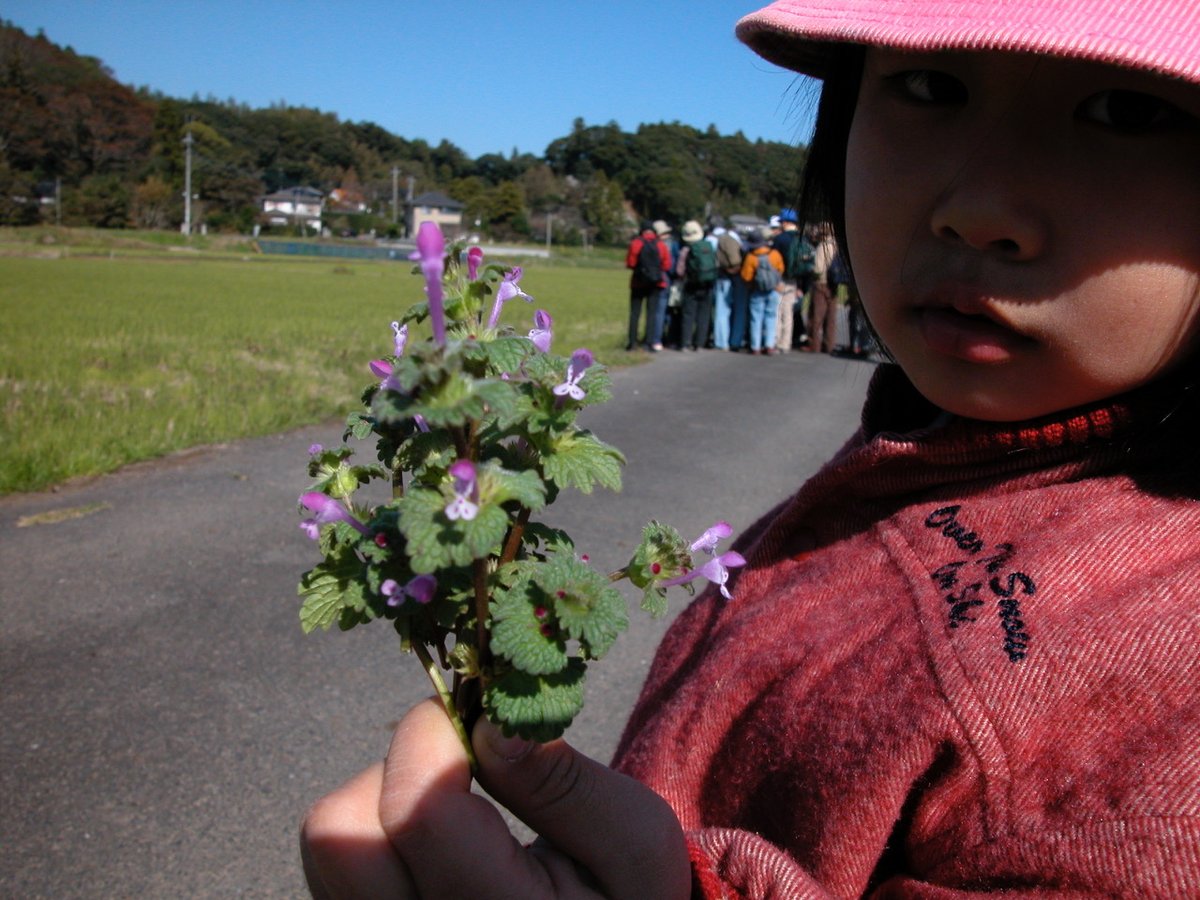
715	570
708	541
510	287
325	509
474	258
465	504
542	331
581	361
431	254
399	338
421	588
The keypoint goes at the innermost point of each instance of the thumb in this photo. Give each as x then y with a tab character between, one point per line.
623	832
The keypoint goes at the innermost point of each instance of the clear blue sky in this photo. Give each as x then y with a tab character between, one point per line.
487	76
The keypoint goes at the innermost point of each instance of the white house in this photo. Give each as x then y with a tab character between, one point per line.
435	207
294	206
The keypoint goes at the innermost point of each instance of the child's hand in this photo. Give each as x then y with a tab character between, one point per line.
410	827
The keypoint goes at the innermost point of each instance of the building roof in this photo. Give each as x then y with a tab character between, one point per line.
300	194
437	198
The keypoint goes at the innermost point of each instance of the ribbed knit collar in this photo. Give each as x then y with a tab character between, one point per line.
895	411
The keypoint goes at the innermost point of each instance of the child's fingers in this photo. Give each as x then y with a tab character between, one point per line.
625	835
345	852
454	843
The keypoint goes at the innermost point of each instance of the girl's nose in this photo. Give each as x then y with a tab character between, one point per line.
991	208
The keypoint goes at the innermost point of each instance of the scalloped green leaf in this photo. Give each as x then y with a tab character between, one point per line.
587	607
582	461
359	425
434	541
336	584
537	707
508	354
499	485
459	398
531	643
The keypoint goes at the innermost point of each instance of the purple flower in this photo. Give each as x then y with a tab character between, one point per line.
581	361
708	541
715	570
399	338
509	288
325	509
431	253
314	449
421	589
542	331
466	492
474	258
384	370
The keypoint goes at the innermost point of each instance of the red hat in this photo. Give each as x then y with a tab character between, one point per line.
1160	36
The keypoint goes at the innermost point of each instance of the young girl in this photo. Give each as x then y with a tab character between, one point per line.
963	658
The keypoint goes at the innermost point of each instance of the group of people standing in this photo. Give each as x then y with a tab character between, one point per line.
732	291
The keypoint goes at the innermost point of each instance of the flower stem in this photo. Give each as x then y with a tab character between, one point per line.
480	572
439	685
513	544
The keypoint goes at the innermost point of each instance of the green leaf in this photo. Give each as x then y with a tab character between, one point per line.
580	460
425	451
586	606
391	407
359	425
330	587
654	601
459	399
532	643
508	354
537	707
498	485
434	541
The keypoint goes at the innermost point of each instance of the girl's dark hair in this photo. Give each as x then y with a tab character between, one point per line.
823	186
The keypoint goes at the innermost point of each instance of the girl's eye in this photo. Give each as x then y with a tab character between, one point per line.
929	86
1129	112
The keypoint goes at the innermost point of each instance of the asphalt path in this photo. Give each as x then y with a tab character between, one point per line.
165	721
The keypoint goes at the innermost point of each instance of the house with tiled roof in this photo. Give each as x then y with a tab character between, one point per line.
436	207
294	206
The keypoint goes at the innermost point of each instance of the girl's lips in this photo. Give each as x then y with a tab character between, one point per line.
973	338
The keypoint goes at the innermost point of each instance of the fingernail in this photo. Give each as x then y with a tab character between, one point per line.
509	749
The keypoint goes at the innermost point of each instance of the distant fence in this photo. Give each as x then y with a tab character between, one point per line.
343	251
398	251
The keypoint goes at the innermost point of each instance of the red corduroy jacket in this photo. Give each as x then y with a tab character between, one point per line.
962	659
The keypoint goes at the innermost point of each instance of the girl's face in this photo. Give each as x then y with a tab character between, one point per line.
1025	231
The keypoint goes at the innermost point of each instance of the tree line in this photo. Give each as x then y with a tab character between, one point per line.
114	157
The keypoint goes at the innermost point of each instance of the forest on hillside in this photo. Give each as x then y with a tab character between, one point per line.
79	148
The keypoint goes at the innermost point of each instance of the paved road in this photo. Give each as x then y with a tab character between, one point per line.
165	721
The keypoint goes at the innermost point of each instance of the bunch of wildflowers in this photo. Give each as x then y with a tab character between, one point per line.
476	431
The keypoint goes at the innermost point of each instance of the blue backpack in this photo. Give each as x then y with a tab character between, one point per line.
766	276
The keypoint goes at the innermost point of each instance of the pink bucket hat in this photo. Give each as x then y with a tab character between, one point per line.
1154	35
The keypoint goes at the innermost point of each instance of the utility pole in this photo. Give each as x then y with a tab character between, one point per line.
395	194
188	140
408	210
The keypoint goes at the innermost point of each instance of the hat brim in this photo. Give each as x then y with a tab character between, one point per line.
1160	36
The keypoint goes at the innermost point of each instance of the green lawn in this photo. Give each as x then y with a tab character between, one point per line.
108	359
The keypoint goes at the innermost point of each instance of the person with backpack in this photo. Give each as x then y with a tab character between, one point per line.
762	271
797	255
697	267
729	294
649	262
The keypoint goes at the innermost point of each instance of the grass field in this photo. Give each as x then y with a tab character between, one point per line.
112	355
